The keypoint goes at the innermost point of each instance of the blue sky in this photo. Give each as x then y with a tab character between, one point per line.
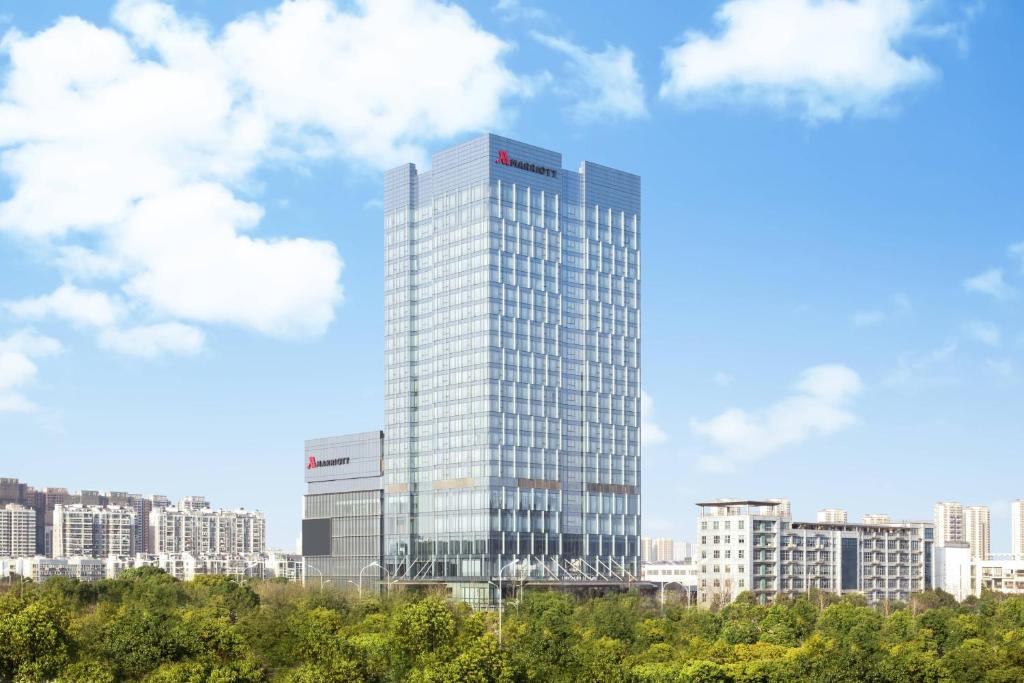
191	234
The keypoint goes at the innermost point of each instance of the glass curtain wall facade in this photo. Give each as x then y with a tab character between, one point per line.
512	344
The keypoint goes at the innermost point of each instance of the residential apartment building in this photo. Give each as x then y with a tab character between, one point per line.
876	518
977	531
682	551
955	524
512	385
832	516
93	530
949	523
782	508
746	546
193	527
1017	529
17	531
656	549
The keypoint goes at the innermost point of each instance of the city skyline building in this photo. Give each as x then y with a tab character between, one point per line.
977	531
832	516
949	523
93	530
876	518
17	530
1017	529
744	545
656	549
512	379
194	527
783	508
342	521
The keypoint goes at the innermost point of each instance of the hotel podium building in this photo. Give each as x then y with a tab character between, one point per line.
512	383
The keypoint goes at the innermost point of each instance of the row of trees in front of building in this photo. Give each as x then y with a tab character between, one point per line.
147	626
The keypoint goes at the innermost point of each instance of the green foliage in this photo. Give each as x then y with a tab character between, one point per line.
146	626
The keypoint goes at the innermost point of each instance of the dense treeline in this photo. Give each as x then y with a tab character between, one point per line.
148	626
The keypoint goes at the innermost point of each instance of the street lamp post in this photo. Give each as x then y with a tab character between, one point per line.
377	564
306	565
501	604
668	583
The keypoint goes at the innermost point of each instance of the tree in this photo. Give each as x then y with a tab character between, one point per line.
34	642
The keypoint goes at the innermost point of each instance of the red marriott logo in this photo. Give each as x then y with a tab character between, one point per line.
505	160
313	463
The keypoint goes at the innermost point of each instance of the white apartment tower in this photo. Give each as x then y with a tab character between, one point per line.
832	516
782	509
1017	528
93	530
977	531
204	531
949	523
17	531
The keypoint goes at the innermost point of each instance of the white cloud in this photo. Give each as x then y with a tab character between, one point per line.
79	306
984	332
17	368
1017	251
650	433
126	148
606	84
911	366
723	379
149	341
1002	367
990	282
511	10
868	318
29	343
899	306
199	268
824	58
819	406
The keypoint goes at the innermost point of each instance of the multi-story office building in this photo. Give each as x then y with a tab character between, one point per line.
512	345
93	530
977	531
342	524
193	527
17	531
1017	529
876	518
949	523
832	516
746	546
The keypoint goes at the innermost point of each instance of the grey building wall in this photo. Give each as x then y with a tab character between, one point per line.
342	524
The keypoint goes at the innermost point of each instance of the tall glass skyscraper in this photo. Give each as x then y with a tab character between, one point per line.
512	344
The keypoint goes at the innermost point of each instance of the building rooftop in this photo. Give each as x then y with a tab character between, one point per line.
731	503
